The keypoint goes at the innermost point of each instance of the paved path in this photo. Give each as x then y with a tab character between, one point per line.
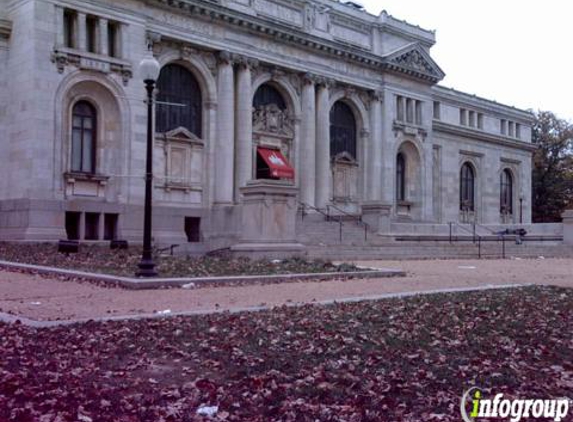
45	299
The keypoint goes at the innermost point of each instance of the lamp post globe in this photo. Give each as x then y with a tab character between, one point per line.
149	69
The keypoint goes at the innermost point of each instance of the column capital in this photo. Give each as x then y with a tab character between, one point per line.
323	82
225	58
245	62
376	95
310	79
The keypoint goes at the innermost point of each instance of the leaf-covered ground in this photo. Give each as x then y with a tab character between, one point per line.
100	259
392	360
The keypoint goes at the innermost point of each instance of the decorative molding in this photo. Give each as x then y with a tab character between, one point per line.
270	119
94	62
482	136
510	161
414	61
471	153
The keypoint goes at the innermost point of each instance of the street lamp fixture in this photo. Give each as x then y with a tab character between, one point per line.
149	69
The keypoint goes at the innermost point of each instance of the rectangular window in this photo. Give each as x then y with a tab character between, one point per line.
193	229
502	126
91	34
409	110
480	121
112	39
73	225
510	129
92	226
110	226
400	108
437	110
418	112
70	28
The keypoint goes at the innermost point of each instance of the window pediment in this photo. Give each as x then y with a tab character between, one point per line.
184	135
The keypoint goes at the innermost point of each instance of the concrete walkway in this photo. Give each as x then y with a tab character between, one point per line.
46	299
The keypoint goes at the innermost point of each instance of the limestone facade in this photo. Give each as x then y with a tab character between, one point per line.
357	91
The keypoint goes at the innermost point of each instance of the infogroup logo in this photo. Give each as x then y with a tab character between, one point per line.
513	410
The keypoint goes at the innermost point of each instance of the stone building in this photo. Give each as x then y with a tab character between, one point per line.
313	101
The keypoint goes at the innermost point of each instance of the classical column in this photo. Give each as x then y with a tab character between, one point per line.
225	151
244	127
374	176
322	145
81	34
308	141
103	42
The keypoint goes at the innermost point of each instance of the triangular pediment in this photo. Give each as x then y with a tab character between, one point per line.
182	134
415	61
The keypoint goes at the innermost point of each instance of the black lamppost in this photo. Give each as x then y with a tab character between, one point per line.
149	69
521	210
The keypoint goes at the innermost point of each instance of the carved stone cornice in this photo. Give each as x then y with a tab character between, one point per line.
211	10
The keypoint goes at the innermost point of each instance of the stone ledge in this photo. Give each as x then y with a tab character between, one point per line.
159	283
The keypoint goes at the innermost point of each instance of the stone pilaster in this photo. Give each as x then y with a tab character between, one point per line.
225	151
81	41
374	152
322	145
308	141
103	37
60	26
244	126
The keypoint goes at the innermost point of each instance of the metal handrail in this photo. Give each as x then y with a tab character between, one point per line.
478	236
305	206
358	219
325	214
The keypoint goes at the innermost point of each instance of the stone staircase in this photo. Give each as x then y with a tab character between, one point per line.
328	240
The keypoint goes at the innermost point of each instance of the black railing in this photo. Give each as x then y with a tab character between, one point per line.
304	207
353	217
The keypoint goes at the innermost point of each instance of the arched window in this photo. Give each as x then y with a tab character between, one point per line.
342	130
467	188
266	95
84	130
400	177
179	102
506	192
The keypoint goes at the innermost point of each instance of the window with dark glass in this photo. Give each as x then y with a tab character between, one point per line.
267	95
342	130
69	28
92	226
506	198
73	225
179	102
112	38
91	33
467	188
193	229
401	177
83	138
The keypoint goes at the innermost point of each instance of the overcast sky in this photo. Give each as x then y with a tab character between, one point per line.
515	52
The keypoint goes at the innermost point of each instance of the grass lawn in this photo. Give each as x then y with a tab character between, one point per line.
391	360
101	259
